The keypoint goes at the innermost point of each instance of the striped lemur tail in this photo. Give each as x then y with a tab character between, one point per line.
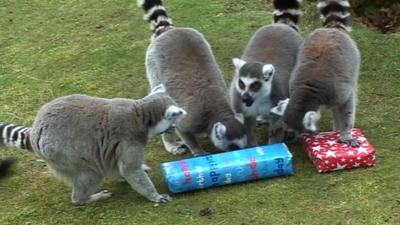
15	136
335	13
156	15
287	12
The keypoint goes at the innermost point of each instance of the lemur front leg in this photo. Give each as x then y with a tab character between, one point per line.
172	145
130	165
191	142
344	120
276	131
250	126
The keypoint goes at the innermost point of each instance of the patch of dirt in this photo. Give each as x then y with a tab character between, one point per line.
206	212
386	20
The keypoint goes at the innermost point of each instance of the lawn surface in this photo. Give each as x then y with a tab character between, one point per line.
54	48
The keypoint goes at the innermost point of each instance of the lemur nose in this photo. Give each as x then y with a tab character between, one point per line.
247	99
246	96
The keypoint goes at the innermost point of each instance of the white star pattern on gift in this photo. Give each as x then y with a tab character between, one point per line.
362	139
330	153
317	148
331	143
339	167
362	150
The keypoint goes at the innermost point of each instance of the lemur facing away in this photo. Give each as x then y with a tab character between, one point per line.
326	74
262	74
181	59
83	139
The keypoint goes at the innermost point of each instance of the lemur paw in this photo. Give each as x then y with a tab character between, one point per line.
178	148
161	198
146	168
202	153
351	142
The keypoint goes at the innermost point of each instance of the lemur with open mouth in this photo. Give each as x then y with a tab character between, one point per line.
262	74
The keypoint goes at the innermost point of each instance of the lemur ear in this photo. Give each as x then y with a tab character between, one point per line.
280	108
239	117
174	112
310	120
268	71
158	88
238	63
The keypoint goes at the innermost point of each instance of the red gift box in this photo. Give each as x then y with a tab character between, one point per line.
328	154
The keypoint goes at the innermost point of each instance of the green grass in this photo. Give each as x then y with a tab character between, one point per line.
54	48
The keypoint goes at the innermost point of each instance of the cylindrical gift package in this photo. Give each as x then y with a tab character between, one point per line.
228	167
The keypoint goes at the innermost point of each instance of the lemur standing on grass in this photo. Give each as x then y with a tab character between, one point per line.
181	59
326	75
83	139
262	74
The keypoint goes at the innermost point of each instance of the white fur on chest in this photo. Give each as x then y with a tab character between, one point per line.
260	107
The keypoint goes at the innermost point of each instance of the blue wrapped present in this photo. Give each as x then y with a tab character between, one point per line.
227	168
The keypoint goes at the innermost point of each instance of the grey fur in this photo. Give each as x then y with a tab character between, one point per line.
326	75
181	59
278	45
83	139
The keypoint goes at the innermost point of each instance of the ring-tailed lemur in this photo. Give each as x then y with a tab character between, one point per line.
326	74
182	60
5	165
262	74
83	139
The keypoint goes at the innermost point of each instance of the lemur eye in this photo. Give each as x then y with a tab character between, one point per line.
241	85
255	86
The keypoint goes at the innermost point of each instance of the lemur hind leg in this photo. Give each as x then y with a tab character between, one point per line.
84	186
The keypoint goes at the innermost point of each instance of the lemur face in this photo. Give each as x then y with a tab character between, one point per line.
252	79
